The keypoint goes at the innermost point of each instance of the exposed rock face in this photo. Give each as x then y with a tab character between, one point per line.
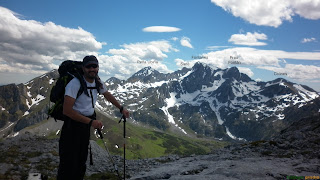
11	102
26	104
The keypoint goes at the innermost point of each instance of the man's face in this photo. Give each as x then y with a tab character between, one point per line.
91	71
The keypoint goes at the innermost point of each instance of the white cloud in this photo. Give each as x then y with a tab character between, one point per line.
182	63
271	12
297	71
245	56
306	40
308	9
185	41
130	58
252	57
246	71
263	59
267	59
154	50
31	47
249	39
174	38
161	29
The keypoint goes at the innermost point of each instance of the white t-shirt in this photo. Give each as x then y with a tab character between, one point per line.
83	103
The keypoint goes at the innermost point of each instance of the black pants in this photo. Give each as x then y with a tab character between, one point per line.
73	150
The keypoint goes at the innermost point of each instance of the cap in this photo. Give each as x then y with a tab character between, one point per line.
90	60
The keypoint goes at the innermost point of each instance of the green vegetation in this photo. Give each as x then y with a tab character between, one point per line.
140	142
144	143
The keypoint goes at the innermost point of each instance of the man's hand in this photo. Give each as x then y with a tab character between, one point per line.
96	124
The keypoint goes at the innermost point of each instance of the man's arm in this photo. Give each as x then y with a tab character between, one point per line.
71	113
113	100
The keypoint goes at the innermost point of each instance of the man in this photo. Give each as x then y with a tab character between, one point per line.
80	117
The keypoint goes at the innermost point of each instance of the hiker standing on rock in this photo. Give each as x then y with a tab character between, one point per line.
79	118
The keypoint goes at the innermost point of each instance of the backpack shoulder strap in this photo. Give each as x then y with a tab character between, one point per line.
99	85
83	86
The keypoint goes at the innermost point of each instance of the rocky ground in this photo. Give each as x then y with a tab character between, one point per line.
295	153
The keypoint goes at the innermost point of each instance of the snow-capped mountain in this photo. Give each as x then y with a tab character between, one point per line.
206	101
197	101
25	104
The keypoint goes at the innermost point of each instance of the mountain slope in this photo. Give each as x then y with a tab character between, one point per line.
23	105
198	101
206	101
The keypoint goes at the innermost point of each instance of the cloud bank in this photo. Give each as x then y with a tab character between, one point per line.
271	60
28	46
271	12
32	48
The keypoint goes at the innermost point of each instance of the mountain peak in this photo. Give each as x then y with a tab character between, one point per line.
201	66
234	73
113	80
146	71
146	74
198	65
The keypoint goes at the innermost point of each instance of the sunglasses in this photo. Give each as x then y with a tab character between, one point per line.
91	66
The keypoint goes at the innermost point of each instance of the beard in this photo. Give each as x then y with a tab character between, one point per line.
91	74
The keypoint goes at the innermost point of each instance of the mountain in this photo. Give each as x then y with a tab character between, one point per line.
201	101
212	102
26	104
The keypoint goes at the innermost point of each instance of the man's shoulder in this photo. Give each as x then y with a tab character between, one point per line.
75	82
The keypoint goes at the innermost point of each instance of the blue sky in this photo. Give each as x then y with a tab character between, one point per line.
261	38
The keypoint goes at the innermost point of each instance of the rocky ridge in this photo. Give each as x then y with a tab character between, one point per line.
212	102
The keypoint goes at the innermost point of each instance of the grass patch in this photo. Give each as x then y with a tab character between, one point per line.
144	143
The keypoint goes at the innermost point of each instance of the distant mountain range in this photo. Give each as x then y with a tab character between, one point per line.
212	102
200	101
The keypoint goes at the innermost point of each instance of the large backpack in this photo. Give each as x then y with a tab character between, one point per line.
68	70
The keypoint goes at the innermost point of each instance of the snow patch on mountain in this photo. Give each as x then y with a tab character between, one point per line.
35	101
51	81
171	102
307	95
232	136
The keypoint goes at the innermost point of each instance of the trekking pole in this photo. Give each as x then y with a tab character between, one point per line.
105	145
124	145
